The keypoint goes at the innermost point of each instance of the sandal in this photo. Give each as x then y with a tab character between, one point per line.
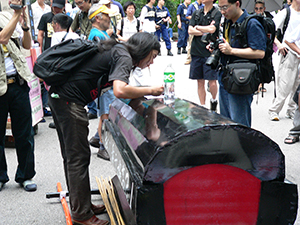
291	139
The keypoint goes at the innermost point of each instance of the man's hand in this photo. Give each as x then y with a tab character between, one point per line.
283	50
157	90
16	2
225	48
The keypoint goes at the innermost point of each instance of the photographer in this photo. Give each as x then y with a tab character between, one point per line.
204	25
238	106
14	95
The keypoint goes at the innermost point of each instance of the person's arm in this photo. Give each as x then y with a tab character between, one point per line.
283	50
293	46
179	22
124	90
8	30
40	38
247	53
199	30
26	40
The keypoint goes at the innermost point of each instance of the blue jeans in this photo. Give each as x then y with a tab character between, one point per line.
164	31
92	106
235	107
183	35
16	102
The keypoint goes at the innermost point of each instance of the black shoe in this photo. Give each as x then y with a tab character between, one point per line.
184	51
47	113
52	125
179	51
94	142
103	154
92	116
1	185
213	105
170	53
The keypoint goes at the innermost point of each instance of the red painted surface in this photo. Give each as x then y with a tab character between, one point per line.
212	194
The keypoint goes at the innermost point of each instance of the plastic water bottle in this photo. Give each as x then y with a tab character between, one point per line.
169	80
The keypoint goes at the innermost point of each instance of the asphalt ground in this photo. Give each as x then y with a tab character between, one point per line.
20	207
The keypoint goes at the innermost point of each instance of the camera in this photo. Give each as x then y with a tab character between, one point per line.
213	59
17	7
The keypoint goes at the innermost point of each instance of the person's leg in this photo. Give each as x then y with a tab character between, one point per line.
240	108
201	91
73	130
291	107
188	57
166	37
4	105
21	121
286	73
223	99
92	109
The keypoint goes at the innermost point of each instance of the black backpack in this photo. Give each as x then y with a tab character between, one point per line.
56	64
267	73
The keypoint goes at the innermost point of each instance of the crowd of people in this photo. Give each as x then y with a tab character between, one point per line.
127	45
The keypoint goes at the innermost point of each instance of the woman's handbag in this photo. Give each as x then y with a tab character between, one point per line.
241	77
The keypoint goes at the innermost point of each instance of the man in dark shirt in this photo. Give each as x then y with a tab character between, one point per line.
113	64
44	38
205	22
45	26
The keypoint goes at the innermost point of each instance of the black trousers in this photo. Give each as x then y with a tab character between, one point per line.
72	128
16	102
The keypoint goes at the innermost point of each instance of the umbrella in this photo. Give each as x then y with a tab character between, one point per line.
271	5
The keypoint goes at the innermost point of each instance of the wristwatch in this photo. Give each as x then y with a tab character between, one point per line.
25	28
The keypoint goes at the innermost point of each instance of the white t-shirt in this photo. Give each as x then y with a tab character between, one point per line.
37	13
148	26
129	27
291	34
58	36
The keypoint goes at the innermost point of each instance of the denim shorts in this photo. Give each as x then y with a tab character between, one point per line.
200	71
105	100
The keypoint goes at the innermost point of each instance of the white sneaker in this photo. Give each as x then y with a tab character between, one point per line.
274	116
290	115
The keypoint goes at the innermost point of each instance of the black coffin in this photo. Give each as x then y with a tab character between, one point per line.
183	164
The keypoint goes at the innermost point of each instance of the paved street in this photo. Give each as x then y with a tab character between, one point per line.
20	207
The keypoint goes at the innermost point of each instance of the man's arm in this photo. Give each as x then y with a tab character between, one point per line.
247	53
179	21
283	50
123	90
8	30
199	30
26	41
40	38
293	46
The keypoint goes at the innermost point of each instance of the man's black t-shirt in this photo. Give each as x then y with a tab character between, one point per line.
198	46
46	26
82	89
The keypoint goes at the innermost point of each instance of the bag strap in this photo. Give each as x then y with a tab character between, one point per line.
64	37
286	20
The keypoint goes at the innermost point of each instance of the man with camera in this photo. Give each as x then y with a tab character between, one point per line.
204	25
14	94
238	106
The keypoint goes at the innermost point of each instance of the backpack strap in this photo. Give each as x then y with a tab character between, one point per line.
64	37
138	25
286	20
122	25
195	5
